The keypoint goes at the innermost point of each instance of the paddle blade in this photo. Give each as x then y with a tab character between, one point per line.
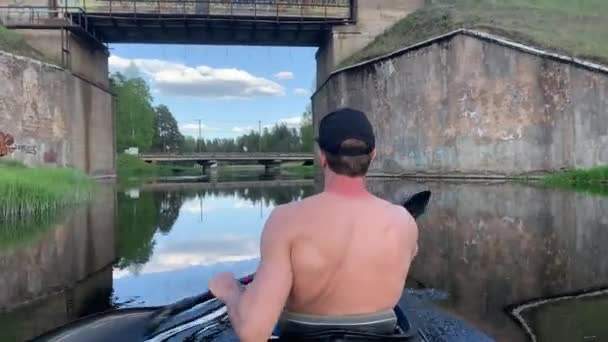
416	203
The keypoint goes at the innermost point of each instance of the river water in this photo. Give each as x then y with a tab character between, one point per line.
519	263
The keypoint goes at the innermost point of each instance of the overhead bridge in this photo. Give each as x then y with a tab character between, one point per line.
218	22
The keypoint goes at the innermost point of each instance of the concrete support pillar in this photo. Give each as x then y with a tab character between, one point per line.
373	18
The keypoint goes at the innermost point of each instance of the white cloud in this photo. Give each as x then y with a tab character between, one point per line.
199	252
202	81
284	75
191	129
301	91
294	121
246	129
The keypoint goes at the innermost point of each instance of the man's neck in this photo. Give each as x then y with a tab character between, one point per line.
346	186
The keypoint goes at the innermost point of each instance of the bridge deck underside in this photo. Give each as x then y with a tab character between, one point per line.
192	29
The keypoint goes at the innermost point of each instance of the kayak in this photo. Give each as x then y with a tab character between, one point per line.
207	321
204	318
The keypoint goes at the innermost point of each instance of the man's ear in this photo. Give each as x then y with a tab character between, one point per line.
373	154
322	158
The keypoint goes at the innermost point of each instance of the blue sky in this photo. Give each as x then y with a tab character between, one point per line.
230	88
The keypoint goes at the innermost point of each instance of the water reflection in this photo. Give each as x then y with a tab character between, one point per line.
492	246
173	237
61	273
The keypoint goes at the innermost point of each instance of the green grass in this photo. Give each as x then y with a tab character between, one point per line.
593	176
594	180
26	192
132	167
298	170
12	42
576	28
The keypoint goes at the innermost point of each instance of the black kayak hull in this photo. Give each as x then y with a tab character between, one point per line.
202	323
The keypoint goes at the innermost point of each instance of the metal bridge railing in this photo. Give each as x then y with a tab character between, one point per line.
43	17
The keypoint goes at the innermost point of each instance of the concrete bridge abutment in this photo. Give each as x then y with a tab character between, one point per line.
373	17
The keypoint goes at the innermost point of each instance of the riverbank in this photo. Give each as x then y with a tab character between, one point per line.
574	28
594	180
39	192
298	170
132	167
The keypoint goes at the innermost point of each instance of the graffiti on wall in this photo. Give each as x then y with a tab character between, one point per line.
8	146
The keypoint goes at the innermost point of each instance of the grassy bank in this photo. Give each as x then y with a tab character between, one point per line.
594	176
575	28
12	42
39	192
594	180
133	167
298	170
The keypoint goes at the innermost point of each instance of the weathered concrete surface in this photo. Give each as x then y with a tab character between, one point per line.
466	106
373	18
54	117
89	63
492	246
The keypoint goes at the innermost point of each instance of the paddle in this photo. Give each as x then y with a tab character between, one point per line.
184	304
414	204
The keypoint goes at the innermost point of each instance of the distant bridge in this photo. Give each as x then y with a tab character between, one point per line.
211	185
207	158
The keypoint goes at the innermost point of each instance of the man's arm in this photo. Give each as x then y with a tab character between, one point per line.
254	310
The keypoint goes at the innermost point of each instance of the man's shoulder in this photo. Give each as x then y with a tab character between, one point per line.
395	212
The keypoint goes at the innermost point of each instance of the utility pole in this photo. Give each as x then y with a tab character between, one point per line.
260	136
198	143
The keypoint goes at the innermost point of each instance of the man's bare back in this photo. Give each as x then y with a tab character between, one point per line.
349	255
342	252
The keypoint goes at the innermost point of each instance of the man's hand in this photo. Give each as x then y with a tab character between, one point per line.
224	287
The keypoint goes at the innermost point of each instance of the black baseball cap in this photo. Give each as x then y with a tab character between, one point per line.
344	124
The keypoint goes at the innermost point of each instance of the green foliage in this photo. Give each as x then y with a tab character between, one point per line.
135	115
140	219
137	224
577	28
306	130
39	192
279	138
167	137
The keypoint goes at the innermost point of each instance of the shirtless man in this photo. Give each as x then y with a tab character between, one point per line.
342	252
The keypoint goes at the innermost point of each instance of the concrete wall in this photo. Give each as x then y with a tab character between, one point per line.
83	60
373	18
54	117
492	246
472	105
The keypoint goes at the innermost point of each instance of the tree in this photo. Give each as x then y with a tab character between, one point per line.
167	137
134	113
306	130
